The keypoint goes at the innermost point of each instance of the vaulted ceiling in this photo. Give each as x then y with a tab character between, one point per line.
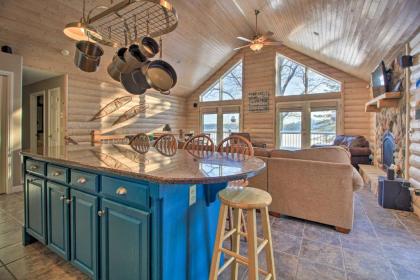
351	35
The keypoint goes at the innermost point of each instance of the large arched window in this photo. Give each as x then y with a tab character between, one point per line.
228	87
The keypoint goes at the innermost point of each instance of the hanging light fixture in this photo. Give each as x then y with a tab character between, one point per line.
233	119
79	30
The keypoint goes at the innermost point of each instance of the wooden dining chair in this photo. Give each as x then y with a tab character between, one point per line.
140	143
166	144
201	143
236	147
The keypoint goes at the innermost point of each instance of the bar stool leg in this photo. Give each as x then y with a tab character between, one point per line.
252	245
218	243
236	240
265	219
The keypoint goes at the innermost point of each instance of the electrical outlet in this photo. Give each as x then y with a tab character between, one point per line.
193	194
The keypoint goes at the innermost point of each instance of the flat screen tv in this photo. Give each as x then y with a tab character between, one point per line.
380	80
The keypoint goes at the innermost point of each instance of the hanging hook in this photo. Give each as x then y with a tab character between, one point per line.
161	47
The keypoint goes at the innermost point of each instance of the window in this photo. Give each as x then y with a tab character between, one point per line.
323	126
228	87
303	124
290	130
297	79
220	122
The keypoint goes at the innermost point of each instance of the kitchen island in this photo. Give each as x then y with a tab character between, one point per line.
115	213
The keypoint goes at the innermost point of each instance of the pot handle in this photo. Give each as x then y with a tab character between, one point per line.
166	92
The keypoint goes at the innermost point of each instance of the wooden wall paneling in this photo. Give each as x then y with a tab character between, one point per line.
414	136
259	74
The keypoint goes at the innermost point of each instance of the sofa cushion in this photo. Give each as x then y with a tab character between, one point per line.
327	154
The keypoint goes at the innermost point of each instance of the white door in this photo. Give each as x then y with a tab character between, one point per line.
3	134
54	120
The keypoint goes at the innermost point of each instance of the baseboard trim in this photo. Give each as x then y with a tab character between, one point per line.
18	188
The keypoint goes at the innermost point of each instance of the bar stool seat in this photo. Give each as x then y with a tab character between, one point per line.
245	198
239	199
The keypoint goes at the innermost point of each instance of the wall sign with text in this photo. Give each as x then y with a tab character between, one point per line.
259	101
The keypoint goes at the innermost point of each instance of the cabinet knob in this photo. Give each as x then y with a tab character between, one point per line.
33	167
101	213
56	173
69	200
121	191
63	197
81	180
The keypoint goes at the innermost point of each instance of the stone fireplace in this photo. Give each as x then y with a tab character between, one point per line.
390	132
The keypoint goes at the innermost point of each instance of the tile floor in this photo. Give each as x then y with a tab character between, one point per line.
384	244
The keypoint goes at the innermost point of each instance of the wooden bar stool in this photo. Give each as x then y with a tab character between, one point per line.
239	199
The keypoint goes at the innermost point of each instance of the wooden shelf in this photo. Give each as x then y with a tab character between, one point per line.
386	100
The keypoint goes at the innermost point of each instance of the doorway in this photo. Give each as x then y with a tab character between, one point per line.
3	134
44	111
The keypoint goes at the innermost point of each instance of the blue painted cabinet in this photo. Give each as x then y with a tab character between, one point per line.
84	232
35	216
124	242
58	219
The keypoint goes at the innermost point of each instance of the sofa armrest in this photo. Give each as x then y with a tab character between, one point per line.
312	190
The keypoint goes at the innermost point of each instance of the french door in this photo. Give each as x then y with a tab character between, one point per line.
304	124
220	122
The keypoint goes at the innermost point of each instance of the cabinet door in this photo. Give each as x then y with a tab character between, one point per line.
35	214
58	219
124	242
84	232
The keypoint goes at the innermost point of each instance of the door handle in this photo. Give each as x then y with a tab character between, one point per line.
101	213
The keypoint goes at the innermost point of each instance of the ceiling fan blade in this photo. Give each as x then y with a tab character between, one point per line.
244	39
270	43
238	48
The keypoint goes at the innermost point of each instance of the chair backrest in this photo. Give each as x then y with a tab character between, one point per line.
140	143
166	144
201	142
236	144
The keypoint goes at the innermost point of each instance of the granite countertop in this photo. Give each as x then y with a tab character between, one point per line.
177	167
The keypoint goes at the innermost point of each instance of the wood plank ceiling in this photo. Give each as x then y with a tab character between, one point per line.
354	35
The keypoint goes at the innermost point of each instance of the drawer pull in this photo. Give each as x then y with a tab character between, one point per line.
101	213
81	180
63	197
56	173
68	201
121	191
33	167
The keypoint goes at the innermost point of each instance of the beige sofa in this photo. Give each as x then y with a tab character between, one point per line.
313	184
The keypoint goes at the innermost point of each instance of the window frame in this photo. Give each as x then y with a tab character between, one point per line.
219	110
220	82
306	68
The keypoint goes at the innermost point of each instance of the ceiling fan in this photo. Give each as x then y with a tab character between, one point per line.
259	40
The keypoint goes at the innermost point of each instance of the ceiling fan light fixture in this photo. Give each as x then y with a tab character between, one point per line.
256	46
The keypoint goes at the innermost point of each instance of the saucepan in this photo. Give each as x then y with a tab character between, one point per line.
133	59
148	46
88	56
117	63
134	82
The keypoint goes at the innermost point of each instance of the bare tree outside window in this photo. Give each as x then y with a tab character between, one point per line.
296	79
228	87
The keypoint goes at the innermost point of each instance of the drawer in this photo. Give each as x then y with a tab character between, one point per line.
84	180
35	166
57	173
130	192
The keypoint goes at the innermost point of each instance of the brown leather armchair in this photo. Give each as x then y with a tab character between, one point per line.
248	137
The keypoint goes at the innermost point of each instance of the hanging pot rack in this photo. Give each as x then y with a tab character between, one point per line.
125	22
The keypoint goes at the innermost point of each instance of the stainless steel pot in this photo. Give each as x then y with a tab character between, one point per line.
160	75
148	46
88	56
134	82
117	63
133	59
